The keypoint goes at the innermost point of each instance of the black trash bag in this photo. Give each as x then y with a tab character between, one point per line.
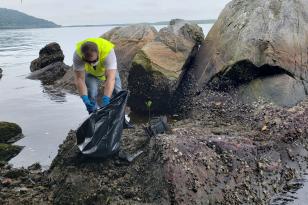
100	134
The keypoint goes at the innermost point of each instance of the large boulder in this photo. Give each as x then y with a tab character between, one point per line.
157	67
51	53
128	41
1	73
253	39
181	36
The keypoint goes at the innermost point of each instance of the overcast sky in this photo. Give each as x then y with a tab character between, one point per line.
76	12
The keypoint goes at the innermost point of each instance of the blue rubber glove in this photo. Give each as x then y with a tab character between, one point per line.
105	100
90	105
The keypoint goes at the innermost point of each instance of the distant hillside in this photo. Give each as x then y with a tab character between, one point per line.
209	21
11	19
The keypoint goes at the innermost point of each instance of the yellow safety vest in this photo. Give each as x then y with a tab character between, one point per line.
104	48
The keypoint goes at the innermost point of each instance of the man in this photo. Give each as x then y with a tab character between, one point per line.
95	61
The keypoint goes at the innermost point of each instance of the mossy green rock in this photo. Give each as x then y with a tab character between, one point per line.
8	131
8	151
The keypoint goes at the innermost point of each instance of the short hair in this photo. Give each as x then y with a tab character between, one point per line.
88	48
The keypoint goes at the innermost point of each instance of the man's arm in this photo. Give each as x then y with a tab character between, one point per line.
111	71
79	74
110	81
80	83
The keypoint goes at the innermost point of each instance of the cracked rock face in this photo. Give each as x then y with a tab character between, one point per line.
265	33
157	67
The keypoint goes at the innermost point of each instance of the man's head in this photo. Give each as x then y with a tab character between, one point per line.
90	52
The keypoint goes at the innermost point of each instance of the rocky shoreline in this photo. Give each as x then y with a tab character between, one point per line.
229	153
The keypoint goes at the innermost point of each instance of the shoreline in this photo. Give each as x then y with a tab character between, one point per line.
212	156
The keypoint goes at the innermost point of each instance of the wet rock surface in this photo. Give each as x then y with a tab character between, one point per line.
49	67
51	73
24	186
8	131
51	53
8	151
119	182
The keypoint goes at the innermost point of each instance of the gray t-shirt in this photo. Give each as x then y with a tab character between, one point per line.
110	62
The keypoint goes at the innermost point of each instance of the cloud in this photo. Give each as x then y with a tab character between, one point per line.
72	12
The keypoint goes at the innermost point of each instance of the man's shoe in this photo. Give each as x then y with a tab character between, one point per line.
127	124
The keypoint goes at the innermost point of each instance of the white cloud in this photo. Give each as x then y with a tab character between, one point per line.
72	12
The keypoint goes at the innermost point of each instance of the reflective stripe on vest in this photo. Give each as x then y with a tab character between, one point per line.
104	48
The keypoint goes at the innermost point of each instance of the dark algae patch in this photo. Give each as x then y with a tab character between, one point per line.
8	151
8	131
